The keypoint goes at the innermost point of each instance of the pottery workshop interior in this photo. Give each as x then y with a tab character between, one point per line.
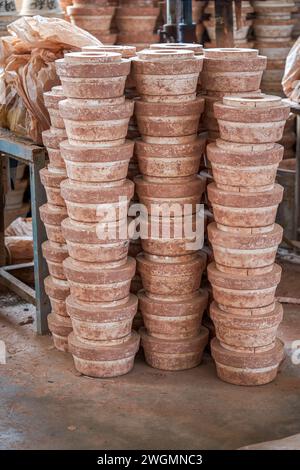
149	229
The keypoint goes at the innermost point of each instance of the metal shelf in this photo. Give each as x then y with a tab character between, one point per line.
25	151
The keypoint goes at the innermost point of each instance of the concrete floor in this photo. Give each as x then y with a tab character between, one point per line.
45	404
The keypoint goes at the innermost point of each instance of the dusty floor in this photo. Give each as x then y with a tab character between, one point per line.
45	404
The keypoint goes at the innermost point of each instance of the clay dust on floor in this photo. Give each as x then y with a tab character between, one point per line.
46	404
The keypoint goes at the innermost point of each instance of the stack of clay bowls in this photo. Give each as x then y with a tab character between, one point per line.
135	247
273	29
42	7
97	196
8	14
52	214
136	21
95	16
226	72
169	154
196	48
245	238
240	34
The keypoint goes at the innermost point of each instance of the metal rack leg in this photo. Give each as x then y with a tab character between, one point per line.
38	198
2	207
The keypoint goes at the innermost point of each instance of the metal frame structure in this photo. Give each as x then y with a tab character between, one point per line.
180	27
34	156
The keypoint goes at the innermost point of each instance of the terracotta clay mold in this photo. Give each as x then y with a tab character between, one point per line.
273	7
60	328
172	75
102	322
161	193
107	39
91	17
96	120
174	355
93	75
127	52
174	236
165	276
136	18
56	160
196	48
173	320
103	359
53	137
95	164
166	227
51	100
57	291
140	39
274	50
247	369
273	28
51	181
246	333
245	210
91	202
251	120
274	73
244	254
52	216
96	243
172	246
55	254
99	282
168	119
236	169
243	292
169	161
229	70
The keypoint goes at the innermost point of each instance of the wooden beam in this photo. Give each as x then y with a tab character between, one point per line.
17	286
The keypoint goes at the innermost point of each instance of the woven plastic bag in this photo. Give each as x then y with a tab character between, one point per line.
27	58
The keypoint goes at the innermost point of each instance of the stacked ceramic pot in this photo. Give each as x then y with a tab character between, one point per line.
240	31
51	9
226	72
273	29
136	21
52	214
245	238
135	247
97	196
8	14
170	192
95	16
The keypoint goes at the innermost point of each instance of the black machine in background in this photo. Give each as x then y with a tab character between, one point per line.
181	28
